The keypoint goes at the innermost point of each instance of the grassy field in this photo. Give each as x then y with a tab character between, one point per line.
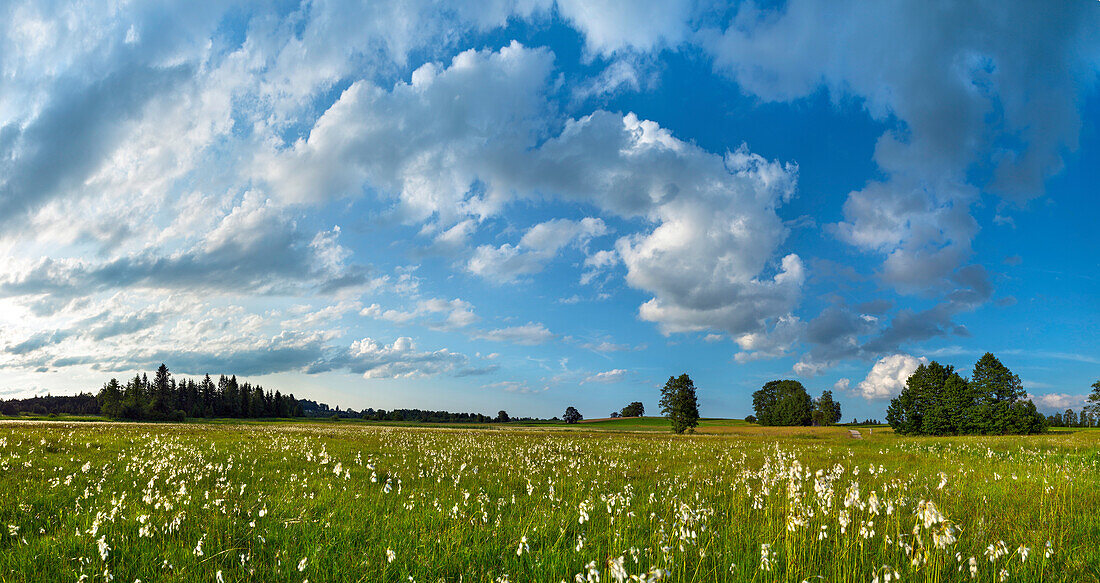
606	501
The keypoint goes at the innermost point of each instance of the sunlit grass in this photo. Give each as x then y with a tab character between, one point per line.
337	501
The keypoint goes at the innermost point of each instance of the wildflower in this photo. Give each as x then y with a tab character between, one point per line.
522	546
885	574
928	514
198	547
618	572
218	577
1023	552
994	552
302	564
767	557
104	549
390	556
973	567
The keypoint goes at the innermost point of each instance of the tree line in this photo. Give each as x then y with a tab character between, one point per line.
82	404
423	416
786	402
937	400
1073	419
165	398
1089	416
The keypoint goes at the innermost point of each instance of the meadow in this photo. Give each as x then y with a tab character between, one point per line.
608	501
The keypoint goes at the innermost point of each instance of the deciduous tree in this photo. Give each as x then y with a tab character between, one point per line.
680	404
635	409
783	402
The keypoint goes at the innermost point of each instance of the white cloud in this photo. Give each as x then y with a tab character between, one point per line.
1058	401
773	343
709	261
539	245
622	74
528	335
324	316
888	376
641	25
425	141
521	387
956	88
841	385
605	346
608	376
456	313
597	263
400	359
809	368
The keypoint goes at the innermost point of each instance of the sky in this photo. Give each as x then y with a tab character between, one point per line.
532	204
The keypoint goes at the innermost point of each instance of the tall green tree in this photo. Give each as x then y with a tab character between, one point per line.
110	399
162	394
1001	406
826	411
1094	399
680	404
937	401
635	409
920	399
572	415
783	402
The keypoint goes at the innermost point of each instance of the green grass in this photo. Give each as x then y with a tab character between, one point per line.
658	424
455	504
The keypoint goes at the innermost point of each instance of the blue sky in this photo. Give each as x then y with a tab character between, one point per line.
533	204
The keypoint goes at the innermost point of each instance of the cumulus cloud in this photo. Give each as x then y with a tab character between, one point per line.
773	343
869	331
436	313
375	360
425	141
529	334
887	377
957	89
1057	401
607	376
539	245
644	25
710	259
179	160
